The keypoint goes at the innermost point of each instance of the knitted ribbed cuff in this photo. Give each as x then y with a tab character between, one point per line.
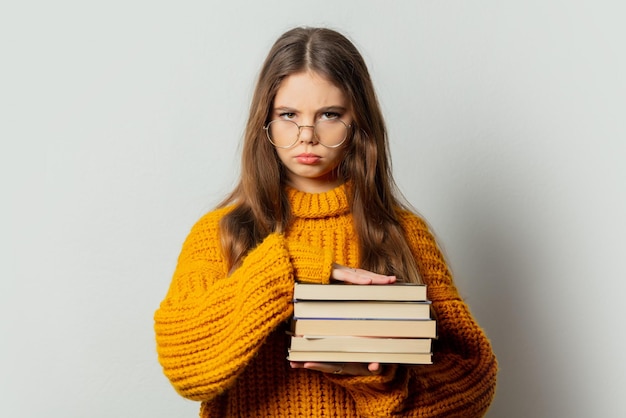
310	264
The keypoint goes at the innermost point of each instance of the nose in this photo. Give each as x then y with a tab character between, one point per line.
307	134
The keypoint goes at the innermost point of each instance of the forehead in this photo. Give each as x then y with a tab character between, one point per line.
309	89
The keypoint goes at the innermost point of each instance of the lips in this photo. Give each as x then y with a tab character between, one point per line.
308	158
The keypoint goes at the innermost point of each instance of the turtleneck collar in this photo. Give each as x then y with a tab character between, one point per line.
318	205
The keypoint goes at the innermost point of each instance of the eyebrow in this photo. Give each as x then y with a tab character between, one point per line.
338	109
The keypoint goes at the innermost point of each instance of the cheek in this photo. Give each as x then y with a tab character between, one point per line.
281	154
337	157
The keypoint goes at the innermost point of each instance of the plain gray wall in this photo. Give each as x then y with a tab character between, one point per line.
120	126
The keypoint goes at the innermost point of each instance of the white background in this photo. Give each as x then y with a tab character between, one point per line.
120	124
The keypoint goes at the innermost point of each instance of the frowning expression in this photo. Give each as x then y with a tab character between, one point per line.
306	98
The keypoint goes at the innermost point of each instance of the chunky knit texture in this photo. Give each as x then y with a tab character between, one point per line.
221	338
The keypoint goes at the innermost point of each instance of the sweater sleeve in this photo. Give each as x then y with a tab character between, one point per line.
211	324
310	264
461	381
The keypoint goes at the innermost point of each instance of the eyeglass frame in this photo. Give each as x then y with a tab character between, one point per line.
267	133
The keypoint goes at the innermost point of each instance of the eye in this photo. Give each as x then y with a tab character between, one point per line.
330	115
287	115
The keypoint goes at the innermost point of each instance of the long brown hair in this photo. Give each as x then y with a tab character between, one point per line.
260	203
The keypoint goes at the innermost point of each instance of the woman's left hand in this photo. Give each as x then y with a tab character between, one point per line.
359	276
355	369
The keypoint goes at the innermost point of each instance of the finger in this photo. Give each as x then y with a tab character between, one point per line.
359	369
336	368
359	276
296	365
375	368
380	278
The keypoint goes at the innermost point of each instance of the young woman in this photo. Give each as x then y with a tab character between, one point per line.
316	202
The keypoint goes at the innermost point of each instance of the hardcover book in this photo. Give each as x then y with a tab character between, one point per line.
361	309
341	291
341	356
361	344
419	328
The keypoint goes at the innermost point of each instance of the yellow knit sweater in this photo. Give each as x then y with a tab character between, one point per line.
221	339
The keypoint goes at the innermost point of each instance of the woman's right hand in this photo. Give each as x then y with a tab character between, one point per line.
359	276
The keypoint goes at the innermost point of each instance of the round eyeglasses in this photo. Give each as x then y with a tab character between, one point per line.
330	133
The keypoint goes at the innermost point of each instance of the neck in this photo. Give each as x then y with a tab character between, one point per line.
314	185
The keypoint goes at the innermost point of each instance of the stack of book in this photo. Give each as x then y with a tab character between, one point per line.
362	323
